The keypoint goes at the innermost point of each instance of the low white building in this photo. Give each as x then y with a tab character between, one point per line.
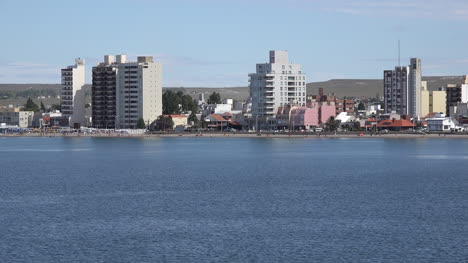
343	117
217	109
441	123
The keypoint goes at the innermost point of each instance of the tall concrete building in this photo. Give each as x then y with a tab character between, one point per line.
72	95
414	88
402	89
276	84
123	92
396	90
103	94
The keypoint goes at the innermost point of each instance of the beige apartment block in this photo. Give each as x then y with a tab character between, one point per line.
432	101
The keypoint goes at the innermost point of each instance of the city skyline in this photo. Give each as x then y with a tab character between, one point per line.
215	44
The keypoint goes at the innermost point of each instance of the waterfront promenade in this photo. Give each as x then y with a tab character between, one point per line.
297	135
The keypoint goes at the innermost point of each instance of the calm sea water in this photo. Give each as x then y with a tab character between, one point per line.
233	200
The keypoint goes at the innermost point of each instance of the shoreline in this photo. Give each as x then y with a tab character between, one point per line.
248	135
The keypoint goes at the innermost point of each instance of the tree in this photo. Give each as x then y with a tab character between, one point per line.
193	119
141	124
214	98
30	105
163	123
357	126
43	109
361	106
332	124
171	103
178	102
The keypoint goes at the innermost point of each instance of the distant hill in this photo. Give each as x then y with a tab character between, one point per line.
17	94
370	87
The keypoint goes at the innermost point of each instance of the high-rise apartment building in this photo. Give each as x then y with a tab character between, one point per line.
276	84
124	92
73	95
103	94
396	90
402	89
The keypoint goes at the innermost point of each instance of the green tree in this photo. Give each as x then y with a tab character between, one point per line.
357	126
178	102
43	109
189	105
141	124
30	105
215	98
332	124
163	123
361	106
170	103
193	119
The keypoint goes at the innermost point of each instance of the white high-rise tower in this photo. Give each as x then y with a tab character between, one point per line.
72	95
276	84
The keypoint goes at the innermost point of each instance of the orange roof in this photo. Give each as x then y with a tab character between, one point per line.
396	123
371	120
218	117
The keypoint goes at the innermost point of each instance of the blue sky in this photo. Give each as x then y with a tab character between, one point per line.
216	43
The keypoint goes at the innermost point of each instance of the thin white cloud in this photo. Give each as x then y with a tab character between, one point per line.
29	72
434	9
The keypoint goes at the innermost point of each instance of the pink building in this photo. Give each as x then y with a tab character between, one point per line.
298	117
327	110
313	114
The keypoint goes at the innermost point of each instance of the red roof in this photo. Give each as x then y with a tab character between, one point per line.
396	123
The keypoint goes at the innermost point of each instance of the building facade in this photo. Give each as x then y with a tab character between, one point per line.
456	94
345	105
402	89
276	84
396	90
72	95
432	101
103	94
16	117
124	92
414	87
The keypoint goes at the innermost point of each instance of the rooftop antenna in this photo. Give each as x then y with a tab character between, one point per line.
399	53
